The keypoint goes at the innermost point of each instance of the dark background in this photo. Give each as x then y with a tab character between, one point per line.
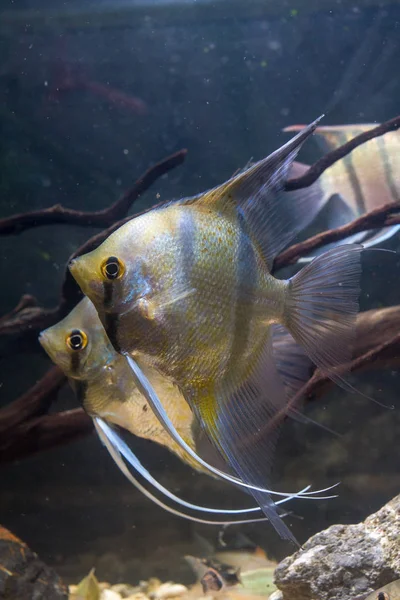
221	79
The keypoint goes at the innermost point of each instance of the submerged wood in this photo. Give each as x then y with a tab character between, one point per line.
104	218
59	214
385	216
20	328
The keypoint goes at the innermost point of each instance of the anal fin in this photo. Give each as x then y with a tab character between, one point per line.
244	421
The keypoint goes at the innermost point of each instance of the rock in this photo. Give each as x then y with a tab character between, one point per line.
23	575
110	595
127	591
345	561
168	590
277	595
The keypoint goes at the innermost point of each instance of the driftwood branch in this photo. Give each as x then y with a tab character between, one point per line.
59	214
385	216
43	433
34	403
20	328
25	426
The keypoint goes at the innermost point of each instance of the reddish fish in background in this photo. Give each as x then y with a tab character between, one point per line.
71	79
365	179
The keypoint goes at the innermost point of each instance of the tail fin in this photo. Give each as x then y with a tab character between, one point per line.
322	307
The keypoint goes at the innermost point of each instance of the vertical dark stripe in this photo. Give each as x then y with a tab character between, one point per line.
352	173
390	180
111	318
108	289
246	282
80	390
111	327
75	360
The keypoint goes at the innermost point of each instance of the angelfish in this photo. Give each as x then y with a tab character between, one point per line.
188	285
365	179
103	383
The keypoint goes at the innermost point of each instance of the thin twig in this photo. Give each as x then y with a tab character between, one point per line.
59	214
104	218
384	353
20	328
329	159
385	216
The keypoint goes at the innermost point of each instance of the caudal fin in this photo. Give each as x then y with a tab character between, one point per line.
322	307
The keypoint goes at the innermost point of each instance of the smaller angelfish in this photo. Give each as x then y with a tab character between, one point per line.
365	179
103	382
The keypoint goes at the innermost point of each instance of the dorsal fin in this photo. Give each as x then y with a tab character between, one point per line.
272	215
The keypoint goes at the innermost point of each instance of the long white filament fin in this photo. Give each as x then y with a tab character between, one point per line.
149	393
101	429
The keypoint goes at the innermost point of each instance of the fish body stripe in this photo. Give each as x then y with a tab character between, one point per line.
111	322
108	290
187	242
352	173
389	176
246	280
81	388
111	318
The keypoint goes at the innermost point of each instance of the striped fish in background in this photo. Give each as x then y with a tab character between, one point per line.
365	179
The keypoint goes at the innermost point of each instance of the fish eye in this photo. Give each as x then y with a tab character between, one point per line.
112	268
383	596
77	340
